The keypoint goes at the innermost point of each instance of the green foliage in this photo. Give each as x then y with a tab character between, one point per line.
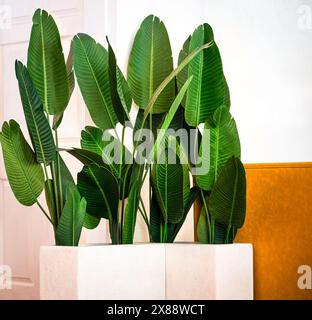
207	90
223	144
150	62
45	86
167	182
57	119
37	123
92	72
91	222
46	63
121	107
131	213
183	75
100	188
109	185
227	202
25	174
69	229
203	227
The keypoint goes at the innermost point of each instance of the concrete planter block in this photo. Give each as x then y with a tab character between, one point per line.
147	271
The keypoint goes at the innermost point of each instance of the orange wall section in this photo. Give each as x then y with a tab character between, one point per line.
279	225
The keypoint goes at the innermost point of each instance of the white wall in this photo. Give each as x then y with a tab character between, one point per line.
267	55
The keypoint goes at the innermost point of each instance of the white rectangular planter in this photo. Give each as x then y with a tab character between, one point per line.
147	271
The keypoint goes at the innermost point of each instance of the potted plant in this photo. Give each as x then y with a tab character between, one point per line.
168	148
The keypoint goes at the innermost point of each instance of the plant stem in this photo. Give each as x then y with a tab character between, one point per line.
150	166
143	206
195	145
59	171
122	151
121	189
44	212
144	217
49	186
49	190
144	214
228	234
212	230
165	233
53	172
207	214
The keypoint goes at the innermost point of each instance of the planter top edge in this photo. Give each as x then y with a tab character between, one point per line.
144	244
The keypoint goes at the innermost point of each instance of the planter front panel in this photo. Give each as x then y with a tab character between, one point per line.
147	271
103	272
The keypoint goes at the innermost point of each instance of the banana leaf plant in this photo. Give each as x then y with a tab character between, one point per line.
193	93
222	186
113	189
45	85
109	185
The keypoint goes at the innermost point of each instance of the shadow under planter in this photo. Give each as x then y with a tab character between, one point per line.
147	271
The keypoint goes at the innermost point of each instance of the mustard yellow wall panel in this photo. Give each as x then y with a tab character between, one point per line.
279	224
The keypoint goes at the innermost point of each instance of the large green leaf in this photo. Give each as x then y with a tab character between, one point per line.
124	91
150	62
92	73
167	181
183	75
220	233
69	229
57	119
50	200
86	157
70	70
131	213
172	76
25	174
37	123
176	123
227	97
227	201
174	143
110	150
107	146
173	229
218	230
92	140
120	108
65	179
169	118
46	63
91	222
202	227
100	188
157	120
224	143
156	220
207	90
